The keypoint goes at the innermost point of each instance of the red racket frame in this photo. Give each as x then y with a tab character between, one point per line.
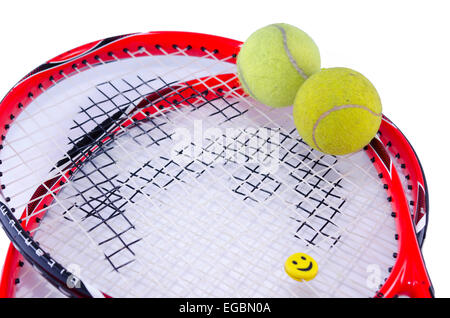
409	265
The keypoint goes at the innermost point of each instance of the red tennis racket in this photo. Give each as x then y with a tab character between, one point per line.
136	166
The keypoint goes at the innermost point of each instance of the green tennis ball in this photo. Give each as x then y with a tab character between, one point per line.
337	111
275	61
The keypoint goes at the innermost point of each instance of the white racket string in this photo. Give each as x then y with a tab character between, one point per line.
141	219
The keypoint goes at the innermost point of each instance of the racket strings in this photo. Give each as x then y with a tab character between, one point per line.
54	106
40	128
97	167
110	196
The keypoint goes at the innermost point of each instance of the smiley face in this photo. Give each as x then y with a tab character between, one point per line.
301	267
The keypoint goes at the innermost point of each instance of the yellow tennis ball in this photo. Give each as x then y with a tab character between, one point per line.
337	111
275	61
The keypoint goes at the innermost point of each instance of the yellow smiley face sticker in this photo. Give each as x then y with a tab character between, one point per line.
301	267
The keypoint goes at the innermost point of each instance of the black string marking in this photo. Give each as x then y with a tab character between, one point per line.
104	196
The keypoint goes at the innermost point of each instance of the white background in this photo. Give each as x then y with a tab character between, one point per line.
401	46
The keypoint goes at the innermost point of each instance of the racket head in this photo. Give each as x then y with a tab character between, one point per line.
21	280
168	43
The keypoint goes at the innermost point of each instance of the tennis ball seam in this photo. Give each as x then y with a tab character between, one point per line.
244	82
289	54
334	109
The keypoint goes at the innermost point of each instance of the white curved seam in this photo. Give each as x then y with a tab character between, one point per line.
289	54
244	82
336	108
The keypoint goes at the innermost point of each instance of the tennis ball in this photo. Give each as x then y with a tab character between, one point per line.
337	111
275	61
